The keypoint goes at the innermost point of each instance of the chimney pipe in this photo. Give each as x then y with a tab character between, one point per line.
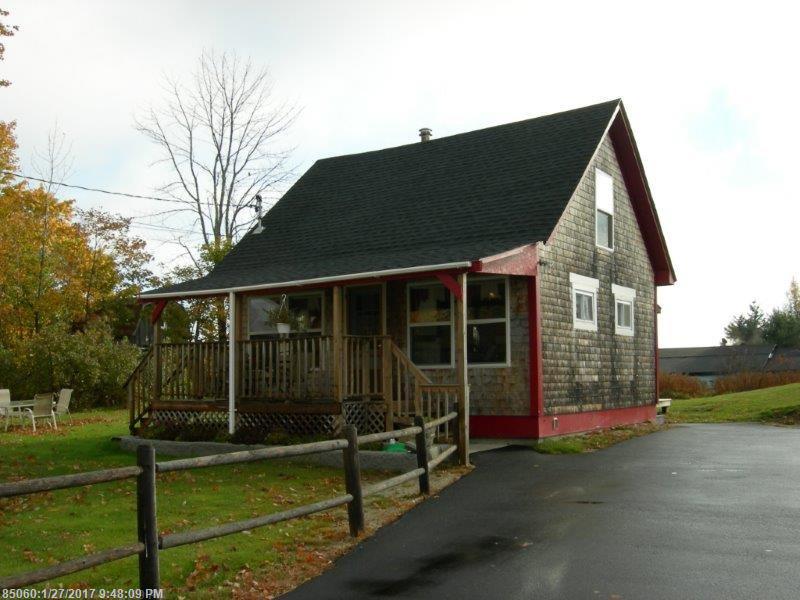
425	134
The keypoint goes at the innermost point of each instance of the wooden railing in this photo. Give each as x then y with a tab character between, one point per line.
286	369
150	543
362	364
140	389
193	371
297	369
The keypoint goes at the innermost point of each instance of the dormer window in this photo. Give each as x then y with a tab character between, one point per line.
604	209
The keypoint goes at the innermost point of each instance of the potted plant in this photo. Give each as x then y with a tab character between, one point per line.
283	319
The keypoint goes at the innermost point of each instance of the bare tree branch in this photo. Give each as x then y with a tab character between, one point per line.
221	136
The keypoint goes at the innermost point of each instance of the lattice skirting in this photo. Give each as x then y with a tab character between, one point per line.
368	417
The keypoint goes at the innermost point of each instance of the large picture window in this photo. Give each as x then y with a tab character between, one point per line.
430	323
308	307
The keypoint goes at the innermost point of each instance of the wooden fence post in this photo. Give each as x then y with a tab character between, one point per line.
149	577
352	480
422	456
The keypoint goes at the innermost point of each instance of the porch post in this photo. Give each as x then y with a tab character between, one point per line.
337	344
462	375
231	362
157	360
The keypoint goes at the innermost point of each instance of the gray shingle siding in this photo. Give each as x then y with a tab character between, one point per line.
586	370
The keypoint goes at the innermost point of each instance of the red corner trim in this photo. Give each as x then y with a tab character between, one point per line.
157	310
535	348
450	283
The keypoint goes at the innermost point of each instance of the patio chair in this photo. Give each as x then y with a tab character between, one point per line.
42	409
62	406
5	405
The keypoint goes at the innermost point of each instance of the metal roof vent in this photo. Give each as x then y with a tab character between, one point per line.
425	134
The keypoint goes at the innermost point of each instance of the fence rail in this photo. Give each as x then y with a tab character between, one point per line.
150	544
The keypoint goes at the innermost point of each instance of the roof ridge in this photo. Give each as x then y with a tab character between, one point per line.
433	141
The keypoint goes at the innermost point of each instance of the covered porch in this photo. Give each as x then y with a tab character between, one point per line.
344	368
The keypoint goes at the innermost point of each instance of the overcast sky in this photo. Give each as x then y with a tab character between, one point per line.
712	95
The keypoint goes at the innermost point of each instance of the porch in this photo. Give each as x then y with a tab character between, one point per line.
305	383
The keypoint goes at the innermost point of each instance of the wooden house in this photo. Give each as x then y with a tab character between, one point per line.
512	270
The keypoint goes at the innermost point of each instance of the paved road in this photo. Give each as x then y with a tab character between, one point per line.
697	511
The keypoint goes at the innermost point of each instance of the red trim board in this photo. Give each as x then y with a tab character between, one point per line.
552	425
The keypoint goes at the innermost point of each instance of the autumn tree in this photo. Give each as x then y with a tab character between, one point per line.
5	31
116	268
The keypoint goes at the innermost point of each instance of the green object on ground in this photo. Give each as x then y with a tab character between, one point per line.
395	447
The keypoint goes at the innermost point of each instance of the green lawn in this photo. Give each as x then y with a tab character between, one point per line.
779	404
43	529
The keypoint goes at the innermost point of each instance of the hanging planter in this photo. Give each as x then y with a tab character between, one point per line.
283	319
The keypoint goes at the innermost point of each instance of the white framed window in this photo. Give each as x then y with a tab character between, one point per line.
308	307
604	209
624	298
584	301
430	318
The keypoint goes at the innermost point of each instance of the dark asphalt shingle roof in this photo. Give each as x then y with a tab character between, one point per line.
784	359
714	360
452	199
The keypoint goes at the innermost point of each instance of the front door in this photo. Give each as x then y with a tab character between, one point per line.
364	310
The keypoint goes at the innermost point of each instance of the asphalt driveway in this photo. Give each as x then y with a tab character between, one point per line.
697	511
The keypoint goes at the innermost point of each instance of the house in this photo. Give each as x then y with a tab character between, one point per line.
710	363
512	270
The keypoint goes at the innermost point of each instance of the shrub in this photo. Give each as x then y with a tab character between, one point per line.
91	362
679	386
742	382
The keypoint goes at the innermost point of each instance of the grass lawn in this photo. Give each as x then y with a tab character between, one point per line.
42	529
595	440
779	404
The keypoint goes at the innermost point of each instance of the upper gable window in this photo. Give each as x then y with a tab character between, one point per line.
604	209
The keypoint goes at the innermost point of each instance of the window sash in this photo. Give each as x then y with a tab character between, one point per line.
451	323
505	319
604	230
265	331
589	304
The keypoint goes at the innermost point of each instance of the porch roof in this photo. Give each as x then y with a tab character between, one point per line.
442	203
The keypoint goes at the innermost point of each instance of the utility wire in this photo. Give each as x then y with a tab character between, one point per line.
89	189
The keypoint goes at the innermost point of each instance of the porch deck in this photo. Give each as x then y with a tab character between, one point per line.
303	384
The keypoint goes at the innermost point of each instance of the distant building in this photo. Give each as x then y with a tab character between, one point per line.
709	363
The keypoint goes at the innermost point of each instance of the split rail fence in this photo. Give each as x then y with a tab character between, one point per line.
149	543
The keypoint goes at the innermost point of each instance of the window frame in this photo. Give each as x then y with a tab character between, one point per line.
451	323
448	323
506	318
624	295
599	175
586	286
276	298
